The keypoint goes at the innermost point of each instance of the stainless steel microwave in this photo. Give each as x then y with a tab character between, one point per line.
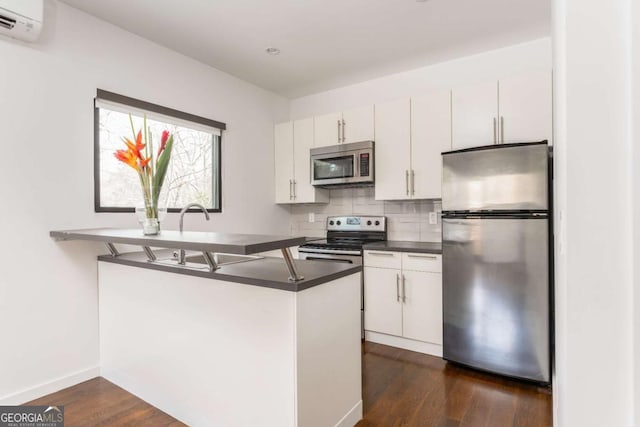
343	165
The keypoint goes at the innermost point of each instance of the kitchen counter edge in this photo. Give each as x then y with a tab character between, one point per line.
405	246
268	272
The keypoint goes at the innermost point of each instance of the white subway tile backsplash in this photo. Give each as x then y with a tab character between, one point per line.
407	219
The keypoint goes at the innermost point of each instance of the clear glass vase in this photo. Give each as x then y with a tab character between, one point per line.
151	213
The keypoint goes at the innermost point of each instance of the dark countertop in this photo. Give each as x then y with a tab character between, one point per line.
266	272
243	244
401	246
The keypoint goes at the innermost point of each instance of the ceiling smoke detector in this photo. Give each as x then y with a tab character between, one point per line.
272	51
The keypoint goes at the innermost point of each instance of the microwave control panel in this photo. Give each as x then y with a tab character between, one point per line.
364	164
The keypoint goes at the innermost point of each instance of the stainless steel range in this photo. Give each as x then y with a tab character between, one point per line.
346	235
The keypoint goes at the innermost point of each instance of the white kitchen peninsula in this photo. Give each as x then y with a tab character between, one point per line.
239	346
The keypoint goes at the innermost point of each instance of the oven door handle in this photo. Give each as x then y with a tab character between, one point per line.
315	258
328	251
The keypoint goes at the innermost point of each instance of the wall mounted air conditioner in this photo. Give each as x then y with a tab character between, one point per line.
21	19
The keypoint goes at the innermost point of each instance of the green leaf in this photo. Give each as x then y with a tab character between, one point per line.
161	169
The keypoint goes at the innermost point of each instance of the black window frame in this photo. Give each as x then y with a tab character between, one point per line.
155	108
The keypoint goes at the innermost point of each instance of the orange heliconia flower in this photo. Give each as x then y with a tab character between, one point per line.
132	156
128	157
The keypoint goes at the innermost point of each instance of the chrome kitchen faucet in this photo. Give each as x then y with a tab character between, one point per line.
181	259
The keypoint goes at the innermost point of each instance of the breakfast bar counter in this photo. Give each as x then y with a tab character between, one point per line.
244	343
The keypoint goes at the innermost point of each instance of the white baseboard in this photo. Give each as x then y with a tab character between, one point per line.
352	417
40	390
407	344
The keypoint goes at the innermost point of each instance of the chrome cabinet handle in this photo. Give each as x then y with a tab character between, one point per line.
290	189
413	182
502	129
495	130
398	287
380	253
339	127
406	181
294	189
404	289
343	126
422	256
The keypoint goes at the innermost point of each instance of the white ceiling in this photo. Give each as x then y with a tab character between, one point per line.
325	43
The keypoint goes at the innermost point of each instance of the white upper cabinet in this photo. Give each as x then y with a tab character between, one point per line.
393	150
410	136
283	140
350	126
430	136
328	129
357	124
516	108
525	105
303	191
475	115
293	140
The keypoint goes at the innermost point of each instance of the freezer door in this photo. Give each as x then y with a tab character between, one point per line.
496	295
509	177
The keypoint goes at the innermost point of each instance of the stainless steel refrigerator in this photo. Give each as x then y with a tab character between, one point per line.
496	259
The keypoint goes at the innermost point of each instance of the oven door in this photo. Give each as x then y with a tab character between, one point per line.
336	168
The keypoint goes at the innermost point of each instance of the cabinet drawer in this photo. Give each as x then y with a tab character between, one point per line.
382	259
422	262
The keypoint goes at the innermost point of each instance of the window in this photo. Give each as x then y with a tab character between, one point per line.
193	174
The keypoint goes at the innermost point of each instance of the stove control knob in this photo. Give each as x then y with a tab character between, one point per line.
338	223
331	222
377	222
368	222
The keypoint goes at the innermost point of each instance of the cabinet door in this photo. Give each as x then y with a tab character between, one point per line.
303	191
422	306
525	107
393	150
430	136
382	304
474	115
283	160
358	124
326	131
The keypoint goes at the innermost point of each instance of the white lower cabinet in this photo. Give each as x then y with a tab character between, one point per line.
403	300
383	308
422	306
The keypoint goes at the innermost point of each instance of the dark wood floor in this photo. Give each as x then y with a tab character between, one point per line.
400	388
98	402
404	388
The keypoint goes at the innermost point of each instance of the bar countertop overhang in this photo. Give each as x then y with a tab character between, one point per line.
231	243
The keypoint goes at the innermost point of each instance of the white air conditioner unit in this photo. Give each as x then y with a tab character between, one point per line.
21	19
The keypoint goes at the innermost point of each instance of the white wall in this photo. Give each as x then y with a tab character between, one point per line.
635	159
594	283
533	55
48	292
